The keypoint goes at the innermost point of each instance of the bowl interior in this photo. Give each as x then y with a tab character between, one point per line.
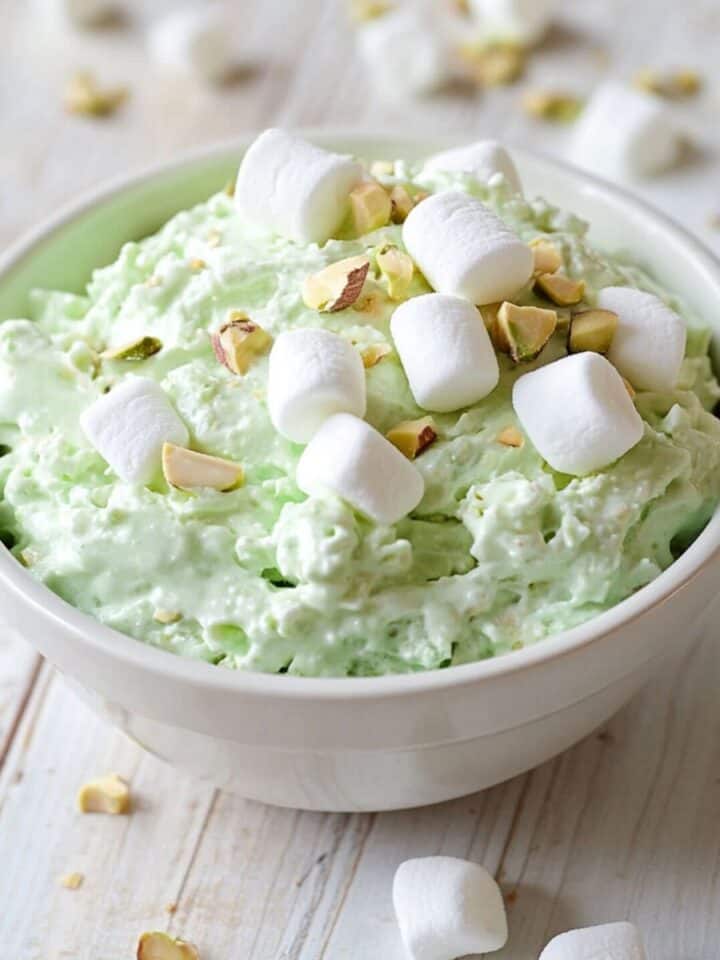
63	253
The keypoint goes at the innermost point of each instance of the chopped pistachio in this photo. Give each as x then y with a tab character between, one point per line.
397	267
494	64
402	203
411	437
675	85
510	437
71	881
367	302
167	616
29	557
592	330
156	945
374	353
109	794
214	238
83	96
546	256
139	349
382	168
489	312
551	105
229	188
363	10
337	286
562	290
239	343
370	207
196	264
526	330
190	470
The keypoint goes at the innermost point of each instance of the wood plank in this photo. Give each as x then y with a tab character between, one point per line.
624	825
133	865
19	667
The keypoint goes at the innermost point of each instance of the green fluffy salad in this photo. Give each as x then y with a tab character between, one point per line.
501	552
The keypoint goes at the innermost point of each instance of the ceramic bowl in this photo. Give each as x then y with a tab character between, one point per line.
365	743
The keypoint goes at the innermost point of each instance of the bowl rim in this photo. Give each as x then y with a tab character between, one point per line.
163	663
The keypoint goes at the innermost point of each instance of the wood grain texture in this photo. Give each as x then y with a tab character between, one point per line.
624	825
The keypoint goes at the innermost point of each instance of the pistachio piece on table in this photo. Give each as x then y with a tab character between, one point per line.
156	945
190	470
494	64
83	96
337	286
370	207
139	349
510	437
109	794
546	256
552	105
562	290
525	330
239	343
411	437
592	330
71	881
397	267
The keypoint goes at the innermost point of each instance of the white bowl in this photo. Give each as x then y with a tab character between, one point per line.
375	743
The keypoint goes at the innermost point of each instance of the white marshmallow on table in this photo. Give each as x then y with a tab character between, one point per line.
198	39
463	248
294	188
445	350
312	375
349	458
623	133
447	908
129	426
610	941
577	413
406	52
649	343
526	21
483	160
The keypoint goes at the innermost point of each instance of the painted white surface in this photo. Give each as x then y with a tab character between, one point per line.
624	825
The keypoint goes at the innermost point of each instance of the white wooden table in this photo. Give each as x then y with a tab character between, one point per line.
624	825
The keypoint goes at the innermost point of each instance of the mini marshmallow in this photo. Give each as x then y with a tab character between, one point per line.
312	375
526	21
349	458
129	426
463	248
445	350
294	188
447	908
624	132
405	52
482	160
197	39
649	344
577	412
611	941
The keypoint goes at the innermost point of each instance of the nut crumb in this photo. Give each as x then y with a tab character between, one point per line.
156	945
674	85
510	437
71	881
552	105
214	238
171	908
167	616
84	97
196	264
109	794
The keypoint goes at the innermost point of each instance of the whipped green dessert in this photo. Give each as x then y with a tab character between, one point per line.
501	552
